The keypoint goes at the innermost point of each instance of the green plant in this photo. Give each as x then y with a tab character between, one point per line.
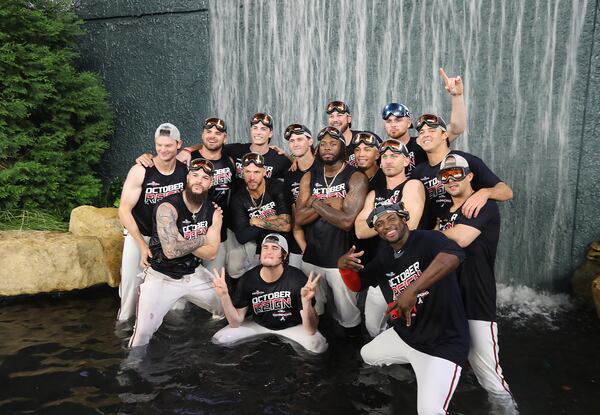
27	220
54	120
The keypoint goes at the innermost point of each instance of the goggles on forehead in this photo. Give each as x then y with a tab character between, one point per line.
253	158
337	106
394	146
202	164
366	138
263	118
296	129
215	122
456	174
331	131
432	121
395	109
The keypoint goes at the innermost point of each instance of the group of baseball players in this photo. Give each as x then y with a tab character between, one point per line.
273	241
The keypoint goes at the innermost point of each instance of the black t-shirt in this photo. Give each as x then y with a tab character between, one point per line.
439	326
243	207
275	305
275	165
350	150
190	226
437	201
155	187
291	184
476	274
325	242
416	154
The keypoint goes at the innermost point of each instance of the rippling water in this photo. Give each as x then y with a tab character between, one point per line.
62	354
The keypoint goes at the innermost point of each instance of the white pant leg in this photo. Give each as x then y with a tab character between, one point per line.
386	349
436	382
240	257
158	293
483	357
348	313
130	281
375	308
315	343
295	260
200	291
321	294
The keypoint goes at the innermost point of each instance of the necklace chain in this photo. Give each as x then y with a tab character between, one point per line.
261	199
329	184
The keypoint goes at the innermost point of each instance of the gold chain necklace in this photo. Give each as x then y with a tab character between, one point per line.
328	185
261	199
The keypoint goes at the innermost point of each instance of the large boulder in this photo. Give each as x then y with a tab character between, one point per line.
586	273
596	294
37	261
104	224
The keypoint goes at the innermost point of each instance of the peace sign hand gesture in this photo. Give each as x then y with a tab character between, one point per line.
310	288
454	86
219	283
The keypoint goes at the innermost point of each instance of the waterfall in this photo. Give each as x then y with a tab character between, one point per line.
519	62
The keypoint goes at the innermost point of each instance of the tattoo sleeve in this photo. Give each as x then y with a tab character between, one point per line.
280	223
172	242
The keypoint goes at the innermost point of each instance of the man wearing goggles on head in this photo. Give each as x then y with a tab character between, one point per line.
397	120
331	195
433	138
397	188
478	236
300	142
186	229
258	208
415	270
338	116
142	190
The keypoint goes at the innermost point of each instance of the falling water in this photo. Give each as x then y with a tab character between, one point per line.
519	61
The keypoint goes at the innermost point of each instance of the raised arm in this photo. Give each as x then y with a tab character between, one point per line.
361	228
173	244
351	206
310	319
413	197
305	214
235	316
132	191
458	114
208	251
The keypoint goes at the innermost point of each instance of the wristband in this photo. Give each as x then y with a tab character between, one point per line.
351	279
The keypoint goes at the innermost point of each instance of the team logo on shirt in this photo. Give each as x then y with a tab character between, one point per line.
278	300
399	282
434	187
295	190
154	194
412	163
195	230
327	192
221	176
263	211
448	223
394	198
352	160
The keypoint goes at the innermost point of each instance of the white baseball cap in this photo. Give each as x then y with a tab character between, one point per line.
277	239
167	130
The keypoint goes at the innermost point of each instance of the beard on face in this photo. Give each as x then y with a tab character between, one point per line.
195	198
341	155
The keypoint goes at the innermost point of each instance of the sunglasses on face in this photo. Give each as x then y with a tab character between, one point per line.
337	106
263	118
366	138
395	109
394	146
215	122
455	174
432	121
202	164
295	129
253	158
331	131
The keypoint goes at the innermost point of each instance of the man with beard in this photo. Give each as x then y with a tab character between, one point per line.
397	121
338	116
281	298
433	134
478	236
331	195
257	209
142	190
415	271
186	230
300	142
397	188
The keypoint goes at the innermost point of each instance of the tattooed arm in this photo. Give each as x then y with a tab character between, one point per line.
173	244
277	223
209	250
352	204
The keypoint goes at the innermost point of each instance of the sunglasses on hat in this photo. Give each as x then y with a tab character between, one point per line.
456	174
394	146
296	129
395	109
202	164
366	138
337	106
432	121
263	118
253	158
215	122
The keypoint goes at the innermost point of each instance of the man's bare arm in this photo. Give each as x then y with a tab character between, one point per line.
278	223
304	214
209	250
361	228
458	114
352	204
173	244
